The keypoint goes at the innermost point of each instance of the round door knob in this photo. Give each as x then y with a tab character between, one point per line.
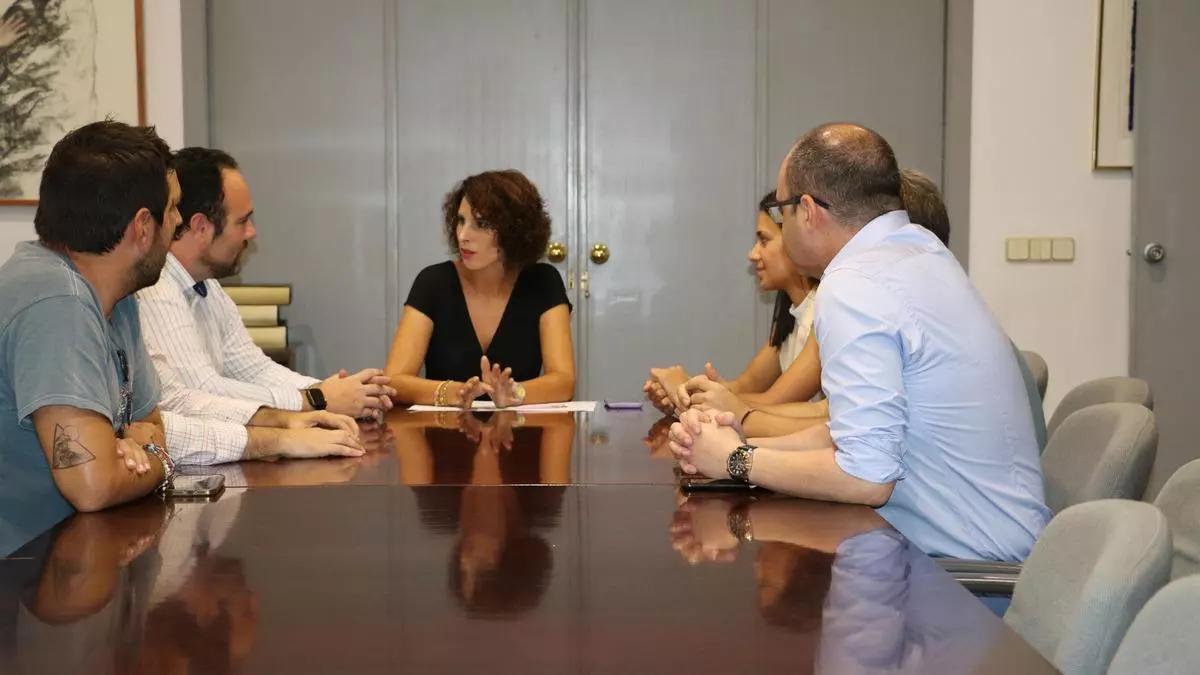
600	254
1154	252
556	252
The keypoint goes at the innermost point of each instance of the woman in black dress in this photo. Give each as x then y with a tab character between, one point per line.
492	321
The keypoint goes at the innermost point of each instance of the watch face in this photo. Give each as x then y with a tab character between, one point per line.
316	398
738	464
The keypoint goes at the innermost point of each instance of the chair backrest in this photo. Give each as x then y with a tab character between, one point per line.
1103	451
1039	370
1162	638
1179	500
1104	390
1093	569
1035	389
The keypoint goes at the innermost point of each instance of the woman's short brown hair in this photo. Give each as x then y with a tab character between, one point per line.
508	203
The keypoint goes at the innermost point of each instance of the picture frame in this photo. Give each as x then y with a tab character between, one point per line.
1114	122
63	64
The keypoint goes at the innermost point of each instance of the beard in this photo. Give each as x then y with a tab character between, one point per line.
147	270
222	269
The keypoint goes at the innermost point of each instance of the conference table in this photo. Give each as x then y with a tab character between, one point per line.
499	543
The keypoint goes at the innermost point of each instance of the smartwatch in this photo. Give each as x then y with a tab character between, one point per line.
315	397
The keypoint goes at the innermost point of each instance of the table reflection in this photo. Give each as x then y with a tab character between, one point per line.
875	601
139	588
499	564
501	448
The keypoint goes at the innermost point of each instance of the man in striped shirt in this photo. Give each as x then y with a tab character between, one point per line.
210	367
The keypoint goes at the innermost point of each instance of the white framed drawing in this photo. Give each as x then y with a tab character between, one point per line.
63	63
1114	120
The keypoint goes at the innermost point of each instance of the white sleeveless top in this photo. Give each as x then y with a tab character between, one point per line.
794	343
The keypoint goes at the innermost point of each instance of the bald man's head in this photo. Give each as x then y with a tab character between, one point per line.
848	166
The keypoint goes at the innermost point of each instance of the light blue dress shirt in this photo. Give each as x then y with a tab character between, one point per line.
924	389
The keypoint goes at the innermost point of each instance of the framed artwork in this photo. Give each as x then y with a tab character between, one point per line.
1114	122
63	63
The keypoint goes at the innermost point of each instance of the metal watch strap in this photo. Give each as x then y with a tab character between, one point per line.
167	463
740	463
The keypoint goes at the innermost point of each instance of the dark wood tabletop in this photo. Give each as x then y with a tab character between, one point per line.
372	575
503	448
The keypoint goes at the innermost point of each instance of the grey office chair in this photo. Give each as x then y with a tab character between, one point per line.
1104	451
1035	390
1039	369
1179	500
1092	571
1162	639
1104	390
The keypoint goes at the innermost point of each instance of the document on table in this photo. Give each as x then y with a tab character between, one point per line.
568	406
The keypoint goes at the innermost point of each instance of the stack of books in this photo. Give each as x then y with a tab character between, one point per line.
259	306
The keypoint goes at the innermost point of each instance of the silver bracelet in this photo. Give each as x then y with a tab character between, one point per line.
167	464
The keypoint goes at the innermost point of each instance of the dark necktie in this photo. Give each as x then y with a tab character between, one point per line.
201	289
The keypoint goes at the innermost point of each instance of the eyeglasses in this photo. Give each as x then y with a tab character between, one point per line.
126	411
775	209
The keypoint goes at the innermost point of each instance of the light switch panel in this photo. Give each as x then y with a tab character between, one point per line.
1016	249
1040	249
1062	249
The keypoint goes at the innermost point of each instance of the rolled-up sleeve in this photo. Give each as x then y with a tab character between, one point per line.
858	328
203	442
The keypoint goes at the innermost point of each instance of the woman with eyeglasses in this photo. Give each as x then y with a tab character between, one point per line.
795	401
772	375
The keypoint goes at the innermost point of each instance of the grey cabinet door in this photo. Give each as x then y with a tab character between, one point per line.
670	188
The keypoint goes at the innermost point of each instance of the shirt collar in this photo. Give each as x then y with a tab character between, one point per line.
870	234
178	274
798	310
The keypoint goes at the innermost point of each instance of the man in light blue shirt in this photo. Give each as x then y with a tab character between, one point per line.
929	419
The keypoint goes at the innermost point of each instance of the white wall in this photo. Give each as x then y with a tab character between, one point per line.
164	104
1031	136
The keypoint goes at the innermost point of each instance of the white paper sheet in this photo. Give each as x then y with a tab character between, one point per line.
569	406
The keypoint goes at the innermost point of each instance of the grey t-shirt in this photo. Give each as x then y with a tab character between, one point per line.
56	348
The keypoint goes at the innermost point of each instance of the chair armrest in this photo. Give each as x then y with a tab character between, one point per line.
982	576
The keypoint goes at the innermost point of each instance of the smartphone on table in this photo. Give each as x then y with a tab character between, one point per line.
201	488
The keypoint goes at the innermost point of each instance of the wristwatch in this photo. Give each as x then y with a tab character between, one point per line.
316	398
167	464
739	523
740	462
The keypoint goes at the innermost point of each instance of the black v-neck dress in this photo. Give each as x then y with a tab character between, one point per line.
454	349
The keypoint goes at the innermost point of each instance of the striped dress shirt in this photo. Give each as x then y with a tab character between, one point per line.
214	377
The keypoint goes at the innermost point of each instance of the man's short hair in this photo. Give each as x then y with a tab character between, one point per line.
850	167
923	201
200	179
96	180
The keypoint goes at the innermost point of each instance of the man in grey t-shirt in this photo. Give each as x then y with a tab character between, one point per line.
79	422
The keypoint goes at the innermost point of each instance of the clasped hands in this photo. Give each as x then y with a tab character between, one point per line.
672	391
709	414
493	381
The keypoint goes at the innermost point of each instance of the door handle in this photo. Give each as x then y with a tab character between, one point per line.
1154	252
600	254
556	252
